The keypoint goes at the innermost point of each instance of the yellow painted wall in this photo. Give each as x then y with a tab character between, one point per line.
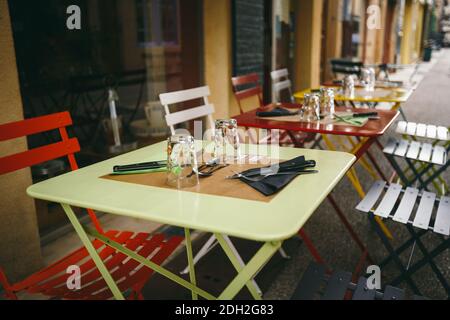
412	31
419	29
333	41
308	43
217	56
19	246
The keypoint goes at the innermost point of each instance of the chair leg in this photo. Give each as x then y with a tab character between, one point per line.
415	267
349	228
208	246
428	259
211	243
399	250
241	262
6	286
402	113
394	255
312	249
283	253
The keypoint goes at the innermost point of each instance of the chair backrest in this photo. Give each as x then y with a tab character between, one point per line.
174	118
280	82
66	147
251	86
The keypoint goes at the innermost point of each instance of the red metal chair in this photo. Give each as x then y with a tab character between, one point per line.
252	88
51	281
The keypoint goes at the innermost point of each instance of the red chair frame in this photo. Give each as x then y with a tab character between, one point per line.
51	280
255	89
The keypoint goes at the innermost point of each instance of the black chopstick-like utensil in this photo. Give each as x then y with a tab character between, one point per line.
140	166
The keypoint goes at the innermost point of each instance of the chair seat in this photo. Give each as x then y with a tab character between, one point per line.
423	130
316	284
429	209
414	150
129	274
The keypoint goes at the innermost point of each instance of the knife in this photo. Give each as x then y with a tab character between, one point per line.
266	170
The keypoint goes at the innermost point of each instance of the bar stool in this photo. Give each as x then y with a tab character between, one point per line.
316	284
431	214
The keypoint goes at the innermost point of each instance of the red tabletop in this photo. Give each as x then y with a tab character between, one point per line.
372	128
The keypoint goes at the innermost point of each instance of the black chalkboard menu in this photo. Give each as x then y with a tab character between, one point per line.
248	37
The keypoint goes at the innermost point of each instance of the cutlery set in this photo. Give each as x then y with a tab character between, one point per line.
209	168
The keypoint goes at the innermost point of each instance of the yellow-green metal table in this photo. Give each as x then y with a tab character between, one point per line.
395	96
267	222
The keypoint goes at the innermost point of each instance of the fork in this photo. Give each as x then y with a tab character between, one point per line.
258	179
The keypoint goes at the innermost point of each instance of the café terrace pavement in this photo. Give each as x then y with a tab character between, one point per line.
428	104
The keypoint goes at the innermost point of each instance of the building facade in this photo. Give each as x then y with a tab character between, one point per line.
178	45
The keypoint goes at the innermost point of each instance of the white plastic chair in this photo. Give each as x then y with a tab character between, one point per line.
280	82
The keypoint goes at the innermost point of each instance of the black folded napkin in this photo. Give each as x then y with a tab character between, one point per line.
276	183
277	112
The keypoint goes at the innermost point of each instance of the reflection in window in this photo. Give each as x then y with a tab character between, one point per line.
157	23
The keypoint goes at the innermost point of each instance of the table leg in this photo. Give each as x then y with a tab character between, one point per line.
92	252
246	273
359	150
149	264
398	106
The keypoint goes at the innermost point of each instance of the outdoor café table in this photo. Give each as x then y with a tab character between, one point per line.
268	221
366	135
395	96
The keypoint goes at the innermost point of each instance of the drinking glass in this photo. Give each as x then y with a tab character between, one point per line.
311	108
226	134
368	78
327	102
182	168
348	87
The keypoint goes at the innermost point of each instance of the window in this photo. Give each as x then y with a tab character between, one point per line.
157	23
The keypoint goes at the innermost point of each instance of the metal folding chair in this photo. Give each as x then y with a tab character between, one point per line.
248	87
421	212
316	284
425	161
129	275
346	67
281	83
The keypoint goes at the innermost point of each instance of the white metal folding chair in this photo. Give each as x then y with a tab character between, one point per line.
421	212
281	82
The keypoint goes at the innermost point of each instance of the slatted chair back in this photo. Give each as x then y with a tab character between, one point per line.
67	147
252	88
174	118
280	83
346	67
